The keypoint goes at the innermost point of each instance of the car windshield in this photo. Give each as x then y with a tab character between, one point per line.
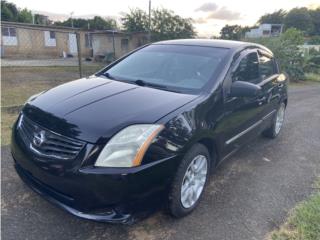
170	67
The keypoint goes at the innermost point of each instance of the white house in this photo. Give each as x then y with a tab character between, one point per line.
265	30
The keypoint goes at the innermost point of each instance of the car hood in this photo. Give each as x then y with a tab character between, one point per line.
93	109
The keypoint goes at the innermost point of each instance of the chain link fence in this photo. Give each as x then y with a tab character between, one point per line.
35	58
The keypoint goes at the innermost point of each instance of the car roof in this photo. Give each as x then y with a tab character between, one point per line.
219	43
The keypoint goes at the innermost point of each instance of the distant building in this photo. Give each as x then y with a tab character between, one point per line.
24	40
265	30
305	49
102	42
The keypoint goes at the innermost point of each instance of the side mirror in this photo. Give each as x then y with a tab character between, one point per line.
244	89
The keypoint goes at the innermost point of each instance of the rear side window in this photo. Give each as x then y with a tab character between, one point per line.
267	66
248	69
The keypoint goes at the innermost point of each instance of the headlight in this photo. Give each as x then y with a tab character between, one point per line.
127	147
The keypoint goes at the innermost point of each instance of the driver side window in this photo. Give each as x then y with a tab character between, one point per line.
248	69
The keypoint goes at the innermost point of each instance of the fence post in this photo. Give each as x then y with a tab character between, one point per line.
113	45
79	53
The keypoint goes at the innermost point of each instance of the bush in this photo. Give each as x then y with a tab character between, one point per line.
286	50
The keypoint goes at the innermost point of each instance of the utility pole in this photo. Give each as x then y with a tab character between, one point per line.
32	17
149	27
71	14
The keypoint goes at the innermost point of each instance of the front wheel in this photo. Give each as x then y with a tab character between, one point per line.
189	182
277	122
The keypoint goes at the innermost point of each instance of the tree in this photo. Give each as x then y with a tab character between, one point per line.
287	52
42	19
231	32
315	16
25	16
293	36
100	23
165	24
300	19
291	57
135	21
97	23
276	17
9	11
315	40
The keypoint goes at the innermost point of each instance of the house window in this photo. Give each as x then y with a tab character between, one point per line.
52	35
266	32
88	40
124	44
50	39
9	36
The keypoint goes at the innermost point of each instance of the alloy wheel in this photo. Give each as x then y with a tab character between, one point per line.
193	181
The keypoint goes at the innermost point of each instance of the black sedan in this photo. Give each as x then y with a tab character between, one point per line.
148	129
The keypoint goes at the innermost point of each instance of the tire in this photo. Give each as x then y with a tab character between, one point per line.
189	180
274	130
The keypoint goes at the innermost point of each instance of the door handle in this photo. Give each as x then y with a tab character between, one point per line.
261	100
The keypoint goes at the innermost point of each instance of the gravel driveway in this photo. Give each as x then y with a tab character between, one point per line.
249	195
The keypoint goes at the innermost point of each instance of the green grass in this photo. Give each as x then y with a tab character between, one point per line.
7	120
303	222
313	77
19	83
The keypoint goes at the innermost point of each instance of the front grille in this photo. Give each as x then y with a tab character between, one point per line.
46	143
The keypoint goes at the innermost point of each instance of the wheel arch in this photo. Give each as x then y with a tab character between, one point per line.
211	145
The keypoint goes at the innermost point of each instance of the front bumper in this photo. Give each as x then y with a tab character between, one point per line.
116	195
108	215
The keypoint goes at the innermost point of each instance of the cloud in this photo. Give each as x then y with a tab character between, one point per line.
224	14
213	11
207	7
200	20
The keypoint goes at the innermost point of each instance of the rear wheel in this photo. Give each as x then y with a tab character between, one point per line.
189	182
277	122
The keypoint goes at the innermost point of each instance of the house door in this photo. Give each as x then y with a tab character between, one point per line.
73	49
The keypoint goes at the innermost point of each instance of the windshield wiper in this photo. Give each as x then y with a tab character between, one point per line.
148	84
108	75
142	83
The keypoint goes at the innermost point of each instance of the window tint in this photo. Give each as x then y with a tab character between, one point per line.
248	69
177	67
266	67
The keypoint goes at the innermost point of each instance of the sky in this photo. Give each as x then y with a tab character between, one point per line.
209	16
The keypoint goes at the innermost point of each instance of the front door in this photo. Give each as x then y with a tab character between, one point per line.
269	86
73	48
242	115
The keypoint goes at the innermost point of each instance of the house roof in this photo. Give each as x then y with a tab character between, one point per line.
116	32
62	28
39	26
